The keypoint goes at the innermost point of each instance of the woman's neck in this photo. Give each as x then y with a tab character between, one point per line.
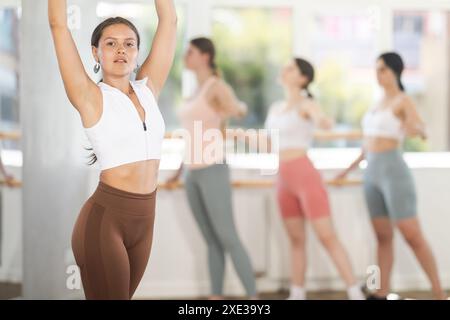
293	96
203	75
391	91
122	83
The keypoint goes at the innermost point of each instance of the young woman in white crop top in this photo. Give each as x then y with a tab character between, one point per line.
113	233
388	183
301	192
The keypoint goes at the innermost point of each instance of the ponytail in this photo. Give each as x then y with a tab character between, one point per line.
214	68
92	157
308	93
400	84
307	70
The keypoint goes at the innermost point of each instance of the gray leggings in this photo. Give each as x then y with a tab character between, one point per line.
209	195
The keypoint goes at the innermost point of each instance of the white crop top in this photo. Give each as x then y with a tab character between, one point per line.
382	123
294	130
120	136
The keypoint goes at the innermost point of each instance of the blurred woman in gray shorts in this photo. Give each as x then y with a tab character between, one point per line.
388	184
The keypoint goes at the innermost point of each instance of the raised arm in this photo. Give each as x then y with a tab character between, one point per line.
81	90
159	61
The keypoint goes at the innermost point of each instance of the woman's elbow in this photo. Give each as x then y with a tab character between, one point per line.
55	24
241	109
416	130
175	19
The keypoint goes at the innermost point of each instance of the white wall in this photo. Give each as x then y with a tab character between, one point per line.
54	170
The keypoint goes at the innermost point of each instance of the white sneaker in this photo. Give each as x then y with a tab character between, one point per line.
297	293
296	297
355	293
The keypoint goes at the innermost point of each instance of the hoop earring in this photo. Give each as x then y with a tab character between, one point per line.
97	67
136	70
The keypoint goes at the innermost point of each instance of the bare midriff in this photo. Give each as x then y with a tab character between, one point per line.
379	144
138	177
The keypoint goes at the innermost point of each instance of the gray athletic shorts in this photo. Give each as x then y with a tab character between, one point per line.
389	186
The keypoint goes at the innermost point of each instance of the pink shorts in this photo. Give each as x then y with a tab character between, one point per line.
301	191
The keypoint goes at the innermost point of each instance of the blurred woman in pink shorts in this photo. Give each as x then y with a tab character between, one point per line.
301	192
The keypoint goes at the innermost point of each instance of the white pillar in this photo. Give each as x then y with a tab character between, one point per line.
55	170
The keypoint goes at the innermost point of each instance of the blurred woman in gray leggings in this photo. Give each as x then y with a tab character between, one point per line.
207	180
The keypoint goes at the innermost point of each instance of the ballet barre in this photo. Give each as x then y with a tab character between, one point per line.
260	184
14	183
238	184
10	135
318	135
333	135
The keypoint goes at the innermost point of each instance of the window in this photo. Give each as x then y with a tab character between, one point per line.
422	40
253	44
343	49
9	73
8	30
145	18
254	41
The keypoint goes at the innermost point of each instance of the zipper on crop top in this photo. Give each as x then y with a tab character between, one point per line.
146	140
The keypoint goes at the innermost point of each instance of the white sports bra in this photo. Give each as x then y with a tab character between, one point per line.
295	132
382	123
120	136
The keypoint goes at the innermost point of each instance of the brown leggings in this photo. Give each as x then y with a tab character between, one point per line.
111	242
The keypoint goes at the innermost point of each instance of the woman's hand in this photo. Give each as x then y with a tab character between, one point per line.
243	110
9	180
340	178
173	182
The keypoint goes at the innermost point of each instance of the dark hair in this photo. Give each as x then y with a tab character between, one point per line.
394	62
98	31
92	157
95	39
205	45
307	70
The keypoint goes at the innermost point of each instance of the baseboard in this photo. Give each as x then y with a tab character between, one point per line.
192	290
